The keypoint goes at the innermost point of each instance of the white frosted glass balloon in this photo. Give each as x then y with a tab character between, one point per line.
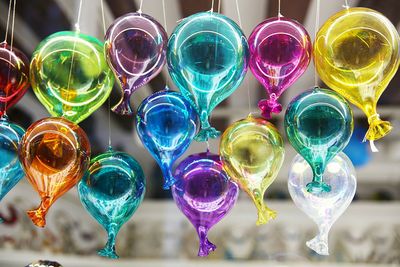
323	208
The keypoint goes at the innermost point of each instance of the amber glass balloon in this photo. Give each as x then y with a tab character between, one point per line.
55	154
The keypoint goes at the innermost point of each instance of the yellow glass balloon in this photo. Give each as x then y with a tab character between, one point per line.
356	53
252	153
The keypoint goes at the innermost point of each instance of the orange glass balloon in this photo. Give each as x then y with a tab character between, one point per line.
55	154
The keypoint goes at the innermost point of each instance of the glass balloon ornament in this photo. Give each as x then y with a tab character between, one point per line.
356	53
54	154
204	193
44	264
14	76
318	124
70	76
10	168
207	58
136	49
280	52
323	207
111	191
252	153
166	124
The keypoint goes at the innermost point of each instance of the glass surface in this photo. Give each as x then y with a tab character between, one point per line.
280	50
318	124
111	191
135	47
55	154
204	194
356	53
323	207
166	124
70	76
207	58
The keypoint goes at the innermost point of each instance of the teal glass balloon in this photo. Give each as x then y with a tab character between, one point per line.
207	58
10	168
318	124
111	191
166	124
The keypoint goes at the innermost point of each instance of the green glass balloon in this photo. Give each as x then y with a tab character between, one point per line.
318	124
70	76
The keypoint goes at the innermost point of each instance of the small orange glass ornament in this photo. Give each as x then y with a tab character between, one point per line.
55	154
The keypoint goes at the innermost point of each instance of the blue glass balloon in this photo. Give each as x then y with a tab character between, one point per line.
10	168
111	191
207	58
166	124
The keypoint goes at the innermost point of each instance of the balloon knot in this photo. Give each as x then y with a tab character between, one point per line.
318	187
205	246
38	217
269	106
377	128
123	107
207	133
265	215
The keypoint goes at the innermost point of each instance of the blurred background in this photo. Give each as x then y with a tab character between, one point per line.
158	234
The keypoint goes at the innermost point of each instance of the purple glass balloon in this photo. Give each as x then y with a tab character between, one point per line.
204	193
280	50
135	47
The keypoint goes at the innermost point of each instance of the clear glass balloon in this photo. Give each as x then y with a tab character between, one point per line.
204	193
324	208
11	171
70	76
135	48
14	76
207	58
166	124
111	192
54	154
252	153
318	124
44	264
280	52
356	53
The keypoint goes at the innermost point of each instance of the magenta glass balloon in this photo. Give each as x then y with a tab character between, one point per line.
135	46
204	193
280	50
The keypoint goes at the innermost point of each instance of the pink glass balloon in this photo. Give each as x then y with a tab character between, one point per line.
135	47
280	50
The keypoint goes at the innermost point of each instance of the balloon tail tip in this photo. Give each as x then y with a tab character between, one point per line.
108	253
265	215
37	217
206	247
123	108
207	133
319	246
318	187
268	107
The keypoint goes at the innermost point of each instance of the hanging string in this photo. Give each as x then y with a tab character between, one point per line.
212	6
279	9
78	20
346	4
219	6
77	28
109	98
8	19
140	7
12	25
315	37
168	81
238	13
